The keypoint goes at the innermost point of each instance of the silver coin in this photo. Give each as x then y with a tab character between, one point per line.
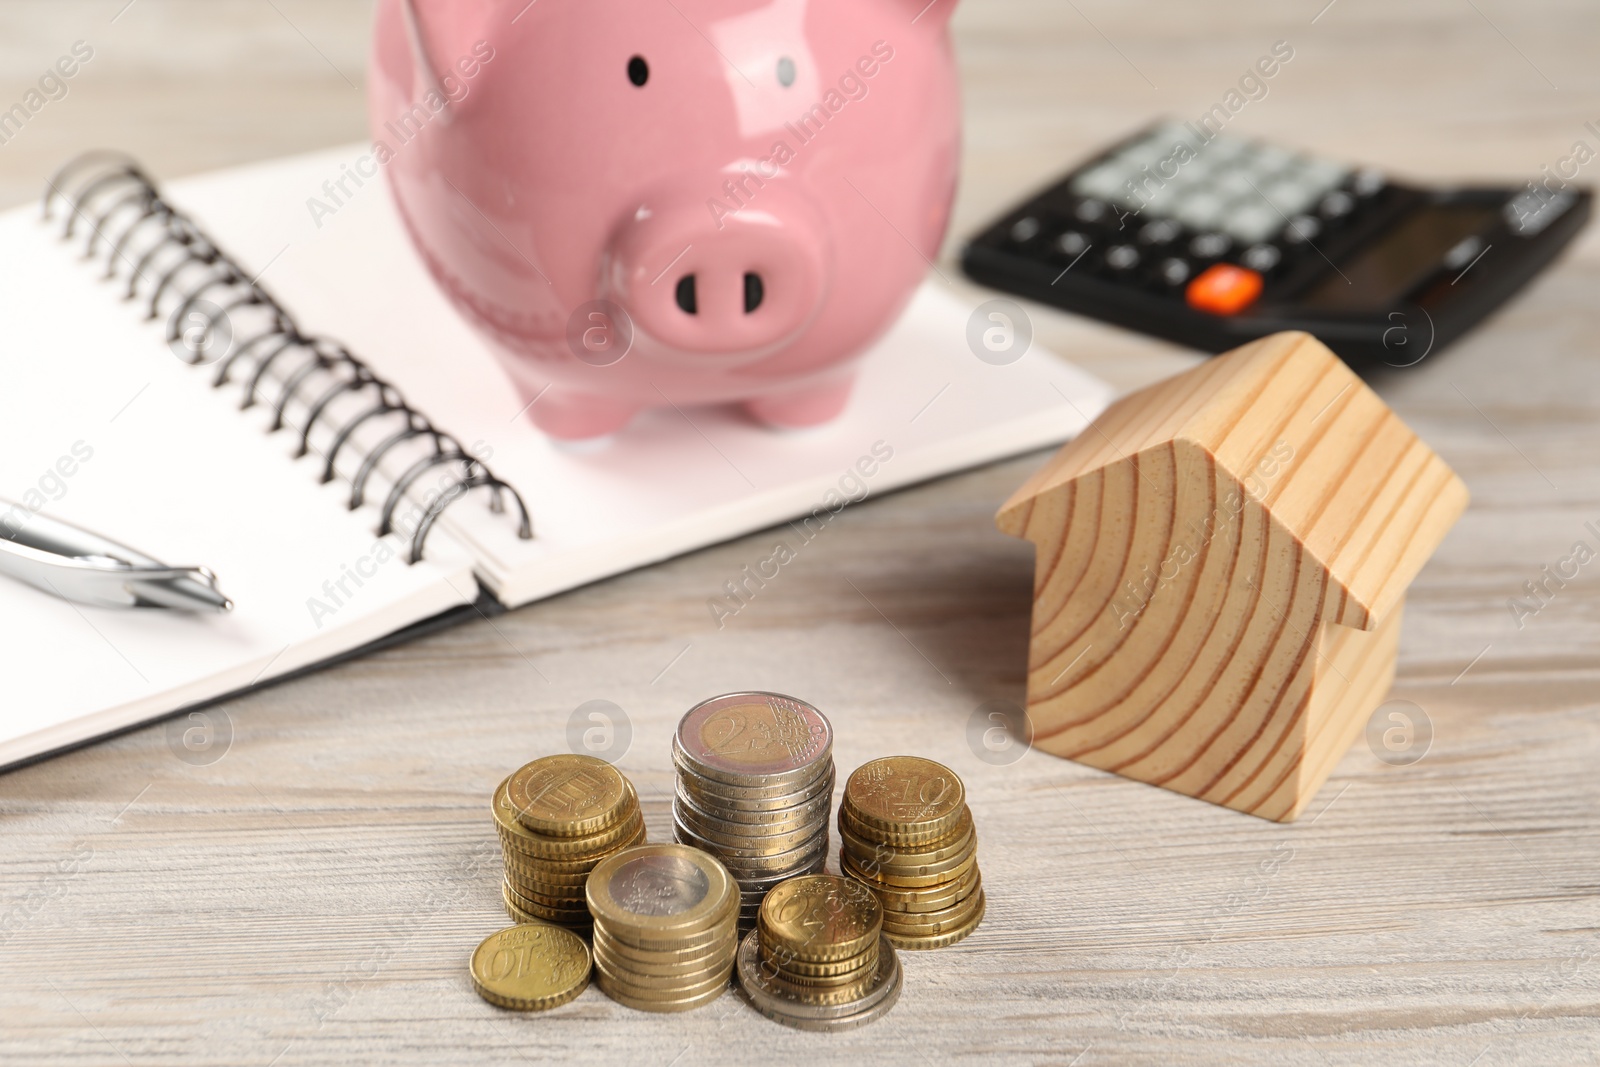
781	865
772	787
783	1006
716	827
752	859
763	880
770	819
766	839
754	739
658	886
757	877
775	809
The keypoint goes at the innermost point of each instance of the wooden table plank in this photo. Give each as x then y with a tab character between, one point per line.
312	897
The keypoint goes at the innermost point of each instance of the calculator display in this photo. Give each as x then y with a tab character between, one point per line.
1381	274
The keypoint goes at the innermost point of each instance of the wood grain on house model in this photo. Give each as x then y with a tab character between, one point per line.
1222	560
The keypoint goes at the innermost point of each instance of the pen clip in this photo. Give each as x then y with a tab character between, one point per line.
83	567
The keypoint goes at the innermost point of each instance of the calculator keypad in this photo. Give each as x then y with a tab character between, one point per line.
1163	209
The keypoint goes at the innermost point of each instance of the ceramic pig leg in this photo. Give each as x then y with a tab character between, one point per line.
801	408
572	416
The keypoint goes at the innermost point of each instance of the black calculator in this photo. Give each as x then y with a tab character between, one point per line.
1212	240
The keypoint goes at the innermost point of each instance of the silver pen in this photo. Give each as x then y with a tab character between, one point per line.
84	567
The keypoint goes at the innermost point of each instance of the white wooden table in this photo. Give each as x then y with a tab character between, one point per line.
312	896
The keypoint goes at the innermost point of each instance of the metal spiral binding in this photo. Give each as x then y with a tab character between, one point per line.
108	194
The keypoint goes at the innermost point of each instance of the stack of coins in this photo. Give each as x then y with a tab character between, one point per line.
665	927
755	785
906	832
817	959
531	967
558	817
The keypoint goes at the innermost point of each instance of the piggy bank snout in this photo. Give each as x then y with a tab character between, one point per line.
703	282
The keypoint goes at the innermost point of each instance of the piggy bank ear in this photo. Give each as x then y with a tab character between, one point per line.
449	41
936	12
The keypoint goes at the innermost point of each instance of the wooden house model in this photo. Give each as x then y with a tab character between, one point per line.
1221	564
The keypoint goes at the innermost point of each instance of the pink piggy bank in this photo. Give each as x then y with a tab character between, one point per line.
645	203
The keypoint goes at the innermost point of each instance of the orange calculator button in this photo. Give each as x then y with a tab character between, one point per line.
1223	289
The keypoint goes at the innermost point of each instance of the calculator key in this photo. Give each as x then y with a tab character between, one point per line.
1174	271
1025	229
1323	174
1261	258
1104	182
1462	253
1160	232
1156	200
1199	169
1090	210
1173	134
1270	159
1072	243
1199	210
1250	222
1226	149
1367	182
1122	257
1302	228
1146	153
1234	184
1223	289
1290	197
1336	205
1209	245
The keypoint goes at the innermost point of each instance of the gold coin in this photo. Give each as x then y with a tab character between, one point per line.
886	879
528	911
917	901
660	892
532	853
632	831
662	963
928	874
533	870
514	835
615	979
698	943
906	861
645	942
526	870
934	922
820	995
825	981
948	937
686	1004
865	838
783	1005
532	894
664	976
906	795
773	956
567	795
821	917
563	912
530	967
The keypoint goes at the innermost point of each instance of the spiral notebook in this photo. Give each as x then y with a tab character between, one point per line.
346	454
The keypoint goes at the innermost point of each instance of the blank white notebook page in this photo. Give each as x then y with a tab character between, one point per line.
101	425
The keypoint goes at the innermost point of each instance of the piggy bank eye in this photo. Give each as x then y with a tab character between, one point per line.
786	72
638	70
